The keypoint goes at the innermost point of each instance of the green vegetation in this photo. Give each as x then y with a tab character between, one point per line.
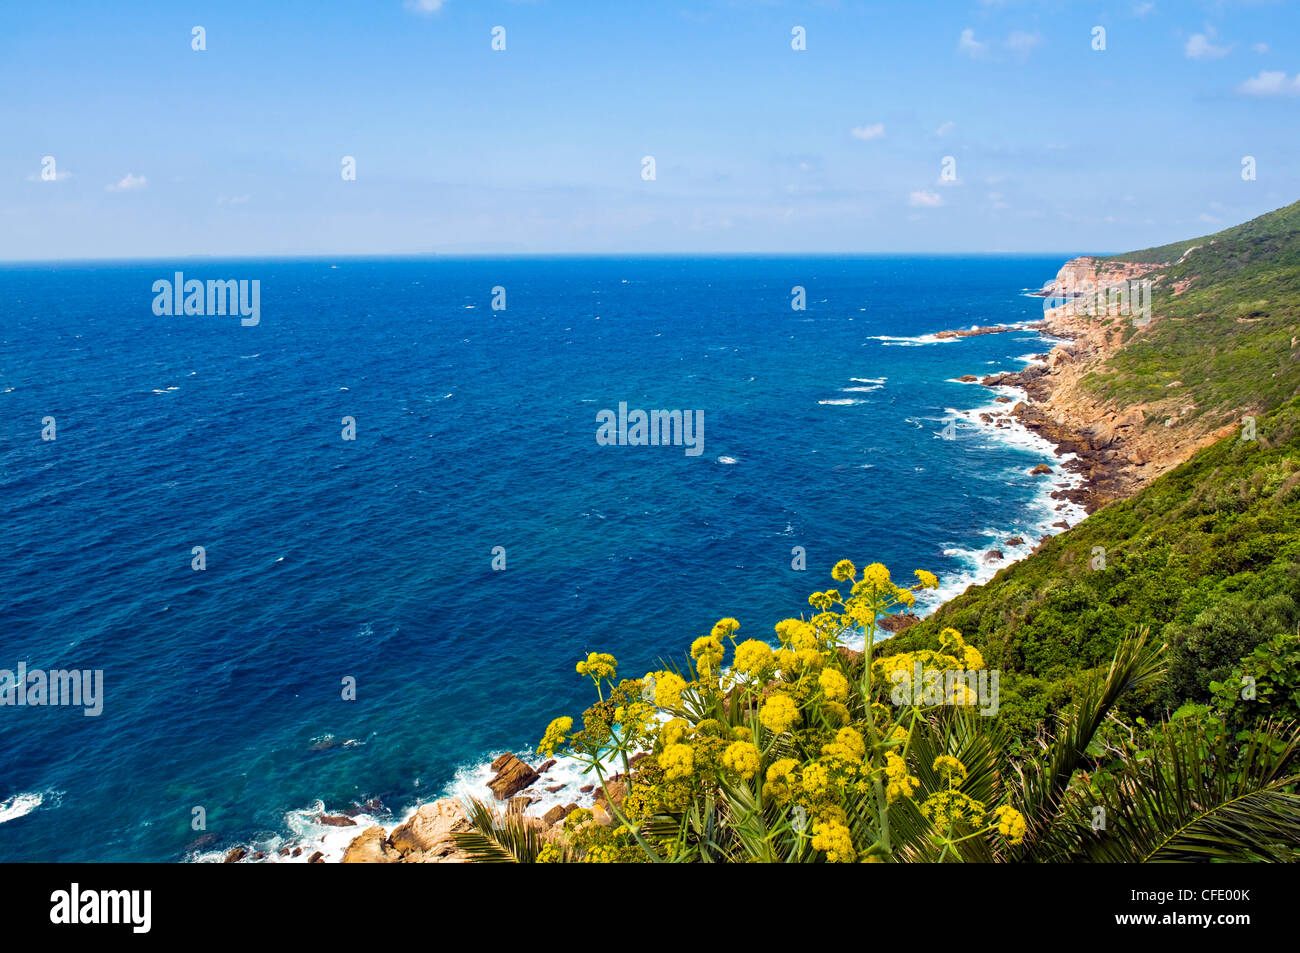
1227	336
1208	556
815	753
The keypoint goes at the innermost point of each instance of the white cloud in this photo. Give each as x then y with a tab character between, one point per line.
998	200
1142	9
59	176
924	198
425	6
1260	48
970	46
1017	42
1200	46
873	131
1271	83
1021	42
946	128
233	199
128	183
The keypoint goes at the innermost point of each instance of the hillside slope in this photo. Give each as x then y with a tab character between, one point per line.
1208	556
1134	399
1204	545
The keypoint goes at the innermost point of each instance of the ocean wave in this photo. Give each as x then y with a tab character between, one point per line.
889	340
20	805
841	402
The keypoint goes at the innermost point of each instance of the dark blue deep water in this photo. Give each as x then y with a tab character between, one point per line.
475	429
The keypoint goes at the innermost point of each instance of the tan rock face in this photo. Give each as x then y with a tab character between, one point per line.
371	847
429	830
1120	449
512	777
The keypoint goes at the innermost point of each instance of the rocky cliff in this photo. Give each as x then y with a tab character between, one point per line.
1120	448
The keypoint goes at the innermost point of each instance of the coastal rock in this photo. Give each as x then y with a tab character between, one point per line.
429	830
546	766
512	777
369	847
613	791
1040	470
518	805
557	814
993	556
899	621
1014	541
316	858
552	788
1002	399
335	820
235	856
968	378
587	788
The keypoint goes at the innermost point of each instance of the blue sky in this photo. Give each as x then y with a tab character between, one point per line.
163	151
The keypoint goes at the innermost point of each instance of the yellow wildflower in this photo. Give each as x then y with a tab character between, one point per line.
1010	824
834	685
707	651
778	713
678	761
556	734
741	757
835	840
753	658
668	690
950	769
844	570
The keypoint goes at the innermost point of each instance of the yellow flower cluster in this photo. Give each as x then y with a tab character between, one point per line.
778	779
835	840
674	731
848	747
753	658
668	689
950	769
1010	824
947	808
778	713
598	665
898	783
678	761
742	758
725	628
834	685
557	732
707	651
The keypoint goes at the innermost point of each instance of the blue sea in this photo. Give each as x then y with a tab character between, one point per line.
372	559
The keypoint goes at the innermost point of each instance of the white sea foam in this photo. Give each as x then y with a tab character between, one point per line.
728	460
840	402
856	390
919	340
20	805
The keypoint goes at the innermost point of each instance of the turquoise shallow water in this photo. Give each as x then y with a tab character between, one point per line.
475	429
